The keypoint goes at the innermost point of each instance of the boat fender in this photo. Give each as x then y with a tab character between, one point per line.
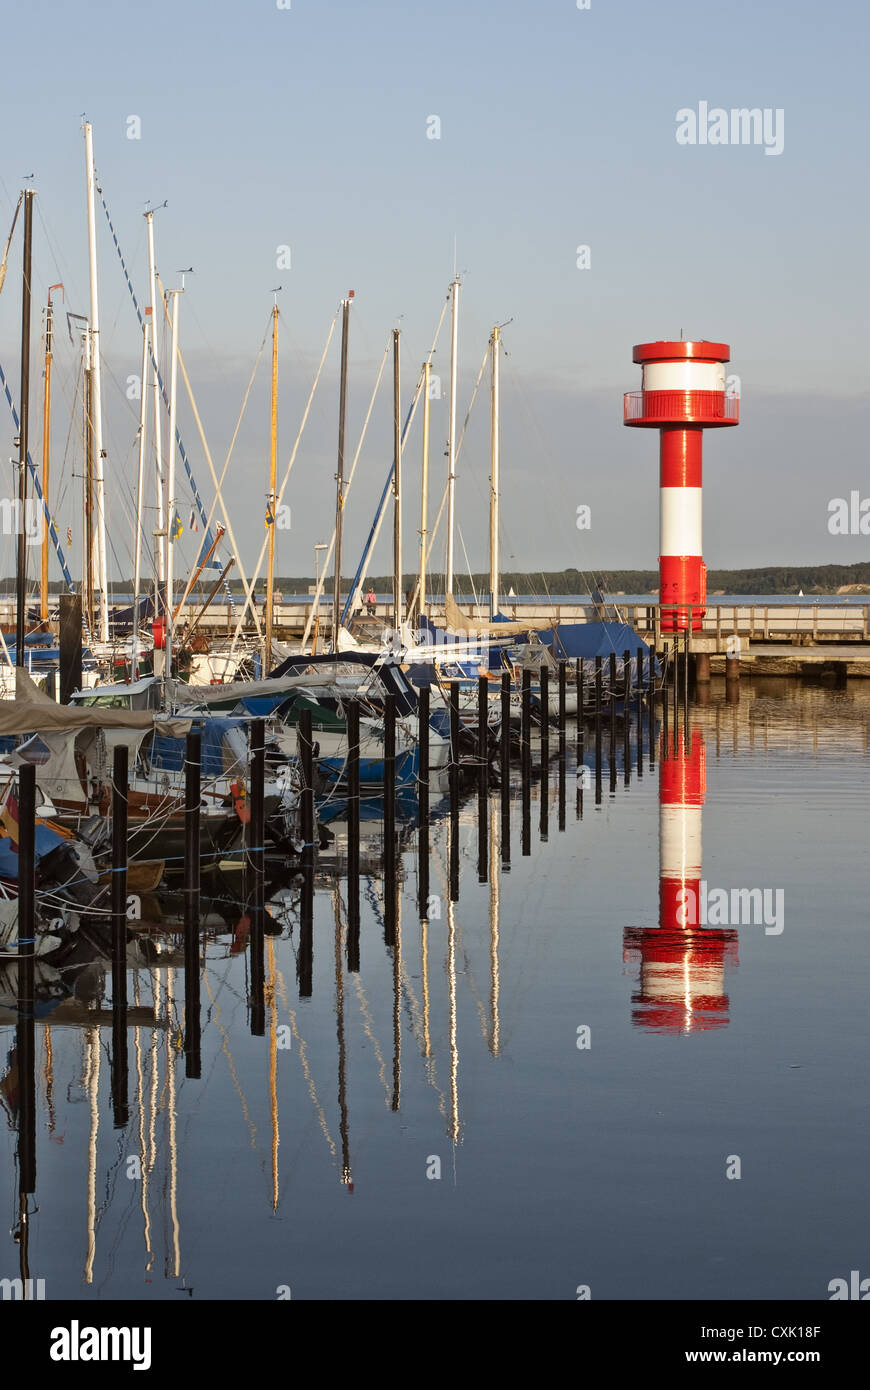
243	810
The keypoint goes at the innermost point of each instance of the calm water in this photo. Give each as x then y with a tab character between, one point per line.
306	1158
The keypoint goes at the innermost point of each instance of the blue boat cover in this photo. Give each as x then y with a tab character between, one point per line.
167	754
592	639
46	840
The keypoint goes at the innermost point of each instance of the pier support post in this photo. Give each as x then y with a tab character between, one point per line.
505	771
70	645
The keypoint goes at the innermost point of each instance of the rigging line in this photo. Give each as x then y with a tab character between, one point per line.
229	525
382	504
66	276
467	563
181	449
231	448
9	240
456	457
37	486
321	582
280	494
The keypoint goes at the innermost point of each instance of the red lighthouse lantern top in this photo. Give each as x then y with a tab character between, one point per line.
683	384
696	351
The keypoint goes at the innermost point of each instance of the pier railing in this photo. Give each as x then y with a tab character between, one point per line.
782	622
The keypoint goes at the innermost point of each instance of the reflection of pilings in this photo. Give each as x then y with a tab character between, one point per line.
397	1007
343	1124
626	717
544	817
257	864
563	702
454	742
273	1068
390	886
192	799
640	711
493	937
611	760
353	808
423	807
119	937
482	774
305	955
651	711
505	771
526	763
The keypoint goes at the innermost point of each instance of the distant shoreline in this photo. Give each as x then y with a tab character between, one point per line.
571	585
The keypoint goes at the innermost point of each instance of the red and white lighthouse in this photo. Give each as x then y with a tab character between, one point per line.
683	394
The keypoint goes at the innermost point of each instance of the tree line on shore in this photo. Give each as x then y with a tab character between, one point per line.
770	579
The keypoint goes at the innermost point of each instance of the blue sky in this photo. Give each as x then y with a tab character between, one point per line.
307	127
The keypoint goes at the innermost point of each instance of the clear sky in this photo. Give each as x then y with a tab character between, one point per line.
306	128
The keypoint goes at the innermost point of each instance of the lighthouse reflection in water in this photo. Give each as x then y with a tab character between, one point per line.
682	968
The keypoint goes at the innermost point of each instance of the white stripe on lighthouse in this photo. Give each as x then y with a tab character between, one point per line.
680	520
684	376
680	832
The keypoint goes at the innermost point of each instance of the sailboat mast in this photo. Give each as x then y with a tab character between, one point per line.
271	505
397	488
451	439
46	447
170	479
96	387
23	429
160	528
140	490
339	477
87	395
494	480
424	491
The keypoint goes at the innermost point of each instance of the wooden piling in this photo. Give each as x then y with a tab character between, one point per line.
27	878
119	1071
257	865
545	718
505	771
70	645
306	767
24	1031
482	777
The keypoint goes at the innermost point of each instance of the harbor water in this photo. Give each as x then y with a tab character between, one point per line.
521	1089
